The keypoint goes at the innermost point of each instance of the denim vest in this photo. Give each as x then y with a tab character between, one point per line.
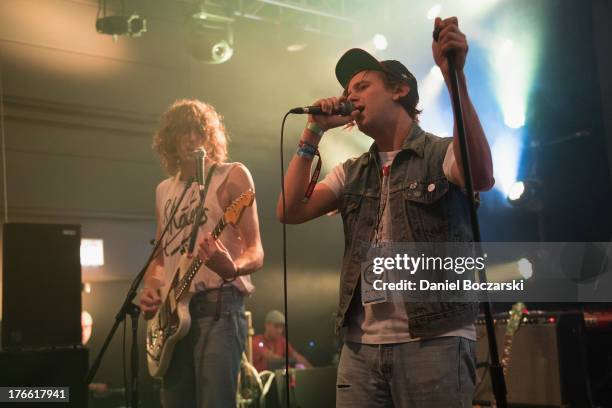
425	208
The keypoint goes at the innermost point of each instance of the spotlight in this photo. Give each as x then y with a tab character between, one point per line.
210	38
525	268
133	25
506	150
513	63
526	194
514	117
380	42
522	268
516	191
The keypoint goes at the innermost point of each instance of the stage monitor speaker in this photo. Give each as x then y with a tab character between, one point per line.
65	367
547	362
41	285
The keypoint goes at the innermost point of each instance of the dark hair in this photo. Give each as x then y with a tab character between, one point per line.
409	101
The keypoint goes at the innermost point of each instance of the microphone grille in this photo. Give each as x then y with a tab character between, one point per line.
346	108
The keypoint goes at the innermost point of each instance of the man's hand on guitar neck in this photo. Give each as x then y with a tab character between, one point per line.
217	258
149	302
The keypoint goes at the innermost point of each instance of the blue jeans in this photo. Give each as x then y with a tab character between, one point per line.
203	372
433	373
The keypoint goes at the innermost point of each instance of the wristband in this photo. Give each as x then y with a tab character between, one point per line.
314	128
306	150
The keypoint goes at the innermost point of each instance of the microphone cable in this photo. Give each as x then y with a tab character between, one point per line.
284	213
282	169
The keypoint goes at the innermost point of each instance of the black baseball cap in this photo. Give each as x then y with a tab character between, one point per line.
356	60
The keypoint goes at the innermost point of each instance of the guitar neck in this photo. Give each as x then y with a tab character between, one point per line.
197	263
218	228
505	360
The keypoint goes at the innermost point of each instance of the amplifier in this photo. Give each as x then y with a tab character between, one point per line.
547	366
41	285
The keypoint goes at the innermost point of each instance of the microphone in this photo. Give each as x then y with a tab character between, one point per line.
199	154
345	110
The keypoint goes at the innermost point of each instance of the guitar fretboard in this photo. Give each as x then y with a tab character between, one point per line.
217	230
188	277
184	283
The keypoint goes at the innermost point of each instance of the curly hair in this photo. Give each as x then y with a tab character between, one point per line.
183	117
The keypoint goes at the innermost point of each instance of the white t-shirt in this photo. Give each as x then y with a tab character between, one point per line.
167	194
386	323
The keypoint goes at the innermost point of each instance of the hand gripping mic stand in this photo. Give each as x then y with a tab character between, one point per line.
497	374
133	310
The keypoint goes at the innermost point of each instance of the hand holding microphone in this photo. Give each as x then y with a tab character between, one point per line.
329	113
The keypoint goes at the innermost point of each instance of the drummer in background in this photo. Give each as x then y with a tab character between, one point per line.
269	348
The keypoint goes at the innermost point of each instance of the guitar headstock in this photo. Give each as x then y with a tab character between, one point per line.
516	314
233	213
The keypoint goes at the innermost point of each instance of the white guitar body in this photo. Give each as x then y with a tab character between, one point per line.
168	326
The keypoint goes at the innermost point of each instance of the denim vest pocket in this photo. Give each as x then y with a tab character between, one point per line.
427	208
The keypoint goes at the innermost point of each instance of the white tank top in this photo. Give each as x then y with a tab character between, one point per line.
168	193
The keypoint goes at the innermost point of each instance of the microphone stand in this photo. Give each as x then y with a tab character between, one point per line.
497	374
133	310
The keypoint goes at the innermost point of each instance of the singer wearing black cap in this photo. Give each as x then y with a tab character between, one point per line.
407	188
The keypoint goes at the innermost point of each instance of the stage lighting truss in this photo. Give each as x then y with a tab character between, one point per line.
329	18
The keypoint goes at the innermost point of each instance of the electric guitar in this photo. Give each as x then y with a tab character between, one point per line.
172	320
514	321
515	316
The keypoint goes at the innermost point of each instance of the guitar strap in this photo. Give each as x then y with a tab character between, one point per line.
207	182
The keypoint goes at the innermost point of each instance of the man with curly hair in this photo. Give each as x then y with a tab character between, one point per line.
205	363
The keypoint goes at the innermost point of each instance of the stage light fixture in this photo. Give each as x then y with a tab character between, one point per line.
133	25
210	37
